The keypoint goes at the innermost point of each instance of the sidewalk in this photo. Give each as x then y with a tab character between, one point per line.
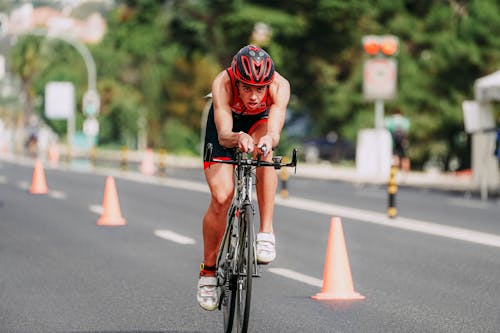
418	179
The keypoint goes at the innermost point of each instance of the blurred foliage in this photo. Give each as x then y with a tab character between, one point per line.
159	58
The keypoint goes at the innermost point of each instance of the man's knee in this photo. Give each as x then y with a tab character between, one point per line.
221	201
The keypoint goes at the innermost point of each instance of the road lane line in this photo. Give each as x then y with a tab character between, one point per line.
57	194
96	209
430	228
174	237
288	273
23	185
468	203
362	215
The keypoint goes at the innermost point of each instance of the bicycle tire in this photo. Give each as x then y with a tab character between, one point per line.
228	294
245	270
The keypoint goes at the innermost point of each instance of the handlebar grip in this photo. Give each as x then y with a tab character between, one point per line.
208	153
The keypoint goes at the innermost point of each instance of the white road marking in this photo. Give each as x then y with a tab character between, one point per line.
288	273
362	215
174	237
57	194
468	203
23	185
430	228
96	209
3	180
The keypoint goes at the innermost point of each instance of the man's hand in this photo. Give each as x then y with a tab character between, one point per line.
267	142
245	142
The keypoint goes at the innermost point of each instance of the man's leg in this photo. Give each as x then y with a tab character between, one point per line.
220	182
267	182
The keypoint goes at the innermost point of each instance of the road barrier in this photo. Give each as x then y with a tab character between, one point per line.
162	165
284	180
123	158
392	189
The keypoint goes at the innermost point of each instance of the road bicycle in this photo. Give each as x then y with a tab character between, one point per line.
236	260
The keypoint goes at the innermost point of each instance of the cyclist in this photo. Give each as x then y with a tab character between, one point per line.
249	101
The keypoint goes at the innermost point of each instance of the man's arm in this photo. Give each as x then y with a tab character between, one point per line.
280	94
221	93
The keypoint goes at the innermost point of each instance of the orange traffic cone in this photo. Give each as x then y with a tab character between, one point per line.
54	154
148	165
337	279
38	183
111	213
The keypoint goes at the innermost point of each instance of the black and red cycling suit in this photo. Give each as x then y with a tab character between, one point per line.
243	120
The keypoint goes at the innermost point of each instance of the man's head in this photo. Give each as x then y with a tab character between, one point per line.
253	66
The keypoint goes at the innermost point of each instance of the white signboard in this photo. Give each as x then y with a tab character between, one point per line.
59	100
477	116
380	79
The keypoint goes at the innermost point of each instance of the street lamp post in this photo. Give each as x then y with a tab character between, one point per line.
91	100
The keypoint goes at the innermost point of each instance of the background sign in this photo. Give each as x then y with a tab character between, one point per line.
91	127
379	79
91	103
59	100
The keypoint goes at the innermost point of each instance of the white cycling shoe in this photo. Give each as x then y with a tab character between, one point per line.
208	296
266	251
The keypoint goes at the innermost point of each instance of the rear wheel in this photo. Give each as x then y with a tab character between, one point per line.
245	270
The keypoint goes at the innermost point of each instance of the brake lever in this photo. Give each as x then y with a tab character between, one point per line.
294	159
208	154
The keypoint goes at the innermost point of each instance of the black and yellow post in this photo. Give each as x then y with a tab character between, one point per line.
93	157
69	154
162	165
392	189
123	158
284	180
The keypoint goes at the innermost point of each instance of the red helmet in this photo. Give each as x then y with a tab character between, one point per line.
252	65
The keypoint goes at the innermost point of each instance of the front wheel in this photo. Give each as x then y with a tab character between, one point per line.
245	269
226	276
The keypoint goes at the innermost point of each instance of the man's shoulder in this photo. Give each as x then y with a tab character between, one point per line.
279	83
223	76
280	79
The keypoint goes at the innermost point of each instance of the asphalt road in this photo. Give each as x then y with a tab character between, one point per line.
433	269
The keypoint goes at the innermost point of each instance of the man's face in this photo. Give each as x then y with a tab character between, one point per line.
251	95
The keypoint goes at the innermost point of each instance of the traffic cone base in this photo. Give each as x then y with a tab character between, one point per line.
38	182
337	279
107	221
111	212
337	296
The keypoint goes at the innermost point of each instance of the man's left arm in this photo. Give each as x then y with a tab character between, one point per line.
280	94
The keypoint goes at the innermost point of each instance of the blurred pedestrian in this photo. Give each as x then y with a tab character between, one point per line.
399	127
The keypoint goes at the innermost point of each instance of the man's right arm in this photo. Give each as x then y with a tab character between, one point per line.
221	93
